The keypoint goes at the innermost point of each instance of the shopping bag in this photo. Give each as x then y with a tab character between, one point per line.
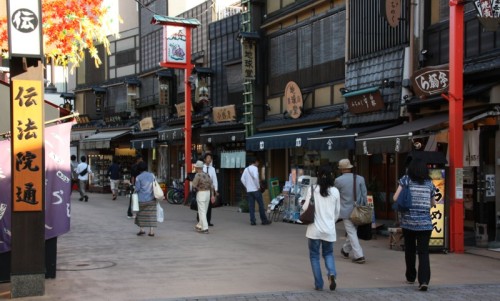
135	202
365	232
158	192
361	215
159	213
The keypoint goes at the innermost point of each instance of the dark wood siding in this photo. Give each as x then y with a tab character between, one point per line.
369	31
310	53
225	56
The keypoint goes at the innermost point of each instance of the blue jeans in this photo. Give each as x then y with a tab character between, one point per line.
327	252
252	197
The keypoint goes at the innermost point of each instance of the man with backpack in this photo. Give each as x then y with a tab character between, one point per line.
83	170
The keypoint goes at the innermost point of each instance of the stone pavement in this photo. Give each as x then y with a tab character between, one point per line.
101	258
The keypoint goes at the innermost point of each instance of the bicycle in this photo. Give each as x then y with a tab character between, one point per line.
175	193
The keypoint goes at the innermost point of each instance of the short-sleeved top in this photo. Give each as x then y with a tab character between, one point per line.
418	218
202	181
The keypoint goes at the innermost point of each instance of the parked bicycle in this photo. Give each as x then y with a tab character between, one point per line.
175	193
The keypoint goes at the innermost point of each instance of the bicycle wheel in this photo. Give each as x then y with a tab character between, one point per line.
178	197
170	195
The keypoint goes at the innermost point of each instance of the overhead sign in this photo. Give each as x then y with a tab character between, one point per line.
25	28
146	124
365	102
293	100
27	145
226	113
431	80
392	11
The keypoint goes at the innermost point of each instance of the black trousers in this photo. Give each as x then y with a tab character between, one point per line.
129	211
417	242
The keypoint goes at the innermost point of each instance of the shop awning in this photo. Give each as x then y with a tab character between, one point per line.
281	139
81	135
171	134
340	139
102	139
143	143
397	139
219	137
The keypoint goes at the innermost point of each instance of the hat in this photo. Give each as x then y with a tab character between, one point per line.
345	164
198	164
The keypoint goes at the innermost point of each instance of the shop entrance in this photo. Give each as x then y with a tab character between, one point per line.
382	183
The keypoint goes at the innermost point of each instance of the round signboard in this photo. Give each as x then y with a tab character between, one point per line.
293	100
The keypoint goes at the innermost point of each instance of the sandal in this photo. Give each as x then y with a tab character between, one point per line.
151	234
140	233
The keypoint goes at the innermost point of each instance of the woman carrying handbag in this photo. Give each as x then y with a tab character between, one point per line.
321	233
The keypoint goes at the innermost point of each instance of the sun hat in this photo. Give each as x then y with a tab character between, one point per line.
345	164
199	164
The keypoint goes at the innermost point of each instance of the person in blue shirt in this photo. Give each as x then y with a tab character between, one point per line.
146	217
417	223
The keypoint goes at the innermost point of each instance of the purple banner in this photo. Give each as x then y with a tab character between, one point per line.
57	185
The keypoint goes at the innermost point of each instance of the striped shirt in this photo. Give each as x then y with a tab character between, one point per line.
418	218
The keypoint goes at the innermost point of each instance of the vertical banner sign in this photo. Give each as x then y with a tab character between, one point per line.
438	211
25	30
175	44
27	145
248	54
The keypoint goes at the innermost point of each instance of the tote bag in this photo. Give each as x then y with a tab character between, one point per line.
361	214
158	192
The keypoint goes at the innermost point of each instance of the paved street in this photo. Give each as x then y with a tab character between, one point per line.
101	258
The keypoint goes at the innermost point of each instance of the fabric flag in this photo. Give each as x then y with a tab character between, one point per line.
57	187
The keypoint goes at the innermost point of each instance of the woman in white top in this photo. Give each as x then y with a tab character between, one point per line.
322	231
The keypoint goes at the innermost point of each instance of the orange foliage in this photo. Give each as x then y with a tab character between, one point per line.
69	28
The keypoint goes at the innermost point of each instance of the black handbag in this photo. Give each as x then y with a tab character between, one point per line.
193	204
307	217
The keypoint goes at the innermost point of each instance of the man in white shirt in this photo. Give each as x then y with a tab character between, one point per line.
250	179
83	170
210	170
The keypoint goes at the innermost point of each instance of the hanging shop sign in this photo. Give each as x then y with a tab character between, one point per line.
364	101
176	44
293	100
392	11
27	145
146	124
248	55
225	113
431	80
25	28
488	13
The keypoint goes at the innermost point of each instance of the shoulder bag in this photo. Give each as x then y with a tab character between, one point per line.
403	202
307	217
361	214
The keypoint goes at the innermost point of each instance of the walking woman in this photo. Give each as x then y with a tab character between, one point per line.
322	232
204	187
146	217
417	223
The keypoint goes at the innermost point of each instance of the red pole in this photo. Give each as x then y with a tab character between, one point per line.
456	125
187	116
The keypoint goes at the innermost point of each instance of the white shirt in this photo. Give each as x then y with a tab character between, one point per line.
326	213
211	172
81	167
250	178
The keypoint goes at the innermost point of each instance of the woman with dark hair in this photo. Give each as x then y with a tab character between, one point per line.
322	232
417	223
146	217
